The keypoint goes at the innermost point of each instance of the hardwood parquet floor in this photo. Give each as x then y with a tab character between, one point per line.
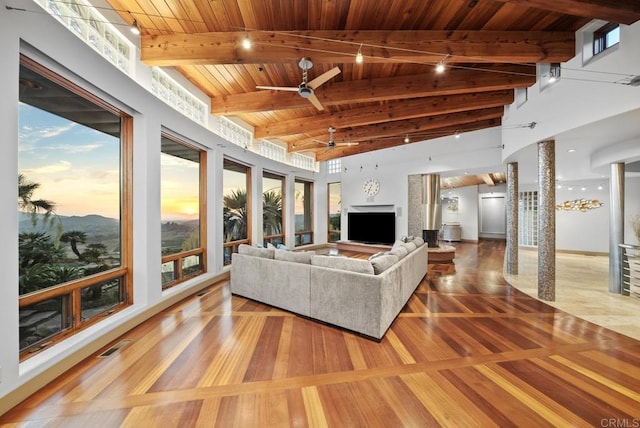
467	350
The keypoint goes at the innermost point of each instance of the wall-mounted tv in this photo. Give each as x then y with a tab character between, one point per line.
372	227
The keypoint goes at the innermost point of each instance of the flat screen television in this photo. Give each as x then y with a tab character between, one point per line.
372	227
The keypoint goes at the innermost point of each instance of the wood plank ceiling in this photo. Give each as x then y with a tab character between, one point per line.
489	48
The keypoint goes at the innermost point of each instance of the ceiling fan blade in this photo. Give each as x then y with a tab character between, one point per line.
323	78
279	88
316	102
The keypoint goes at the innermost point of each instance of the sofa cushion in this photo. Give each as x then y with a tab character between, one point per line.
384	262
418	241
399	252
410	246
248	250
378	254
294	256
343	263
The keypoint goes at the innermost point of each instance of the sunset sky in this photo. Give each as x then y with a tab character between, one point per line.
78	168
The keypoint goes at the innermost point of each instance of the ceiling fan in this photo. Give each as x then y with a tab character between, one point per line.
331	143
304	89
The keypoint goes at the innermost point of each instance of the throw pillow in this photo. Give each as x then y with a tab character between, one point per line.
248	250
397	245
382	263
271	246
282	247
376	255
343	263
410	246
418	241
294	256
400	252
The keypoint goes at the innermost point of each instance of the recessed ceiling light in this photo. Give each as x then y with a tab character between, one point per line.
571	150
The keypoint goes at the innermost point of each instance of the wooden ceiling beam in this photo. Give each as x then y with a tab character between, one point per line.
336	47
620	11
400	128
324	154
393	110
454	81
487	180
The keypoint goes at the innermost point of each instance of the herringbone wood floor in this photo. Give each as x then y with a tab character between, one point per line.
467	350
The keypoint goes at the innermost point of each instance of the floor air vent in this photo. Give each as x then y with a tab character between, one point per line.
114	348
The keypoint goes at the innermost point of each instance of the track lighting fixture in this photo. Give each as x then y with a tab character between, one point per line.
554	72
246	42
134	28
406	139
440	67
359	56
456	135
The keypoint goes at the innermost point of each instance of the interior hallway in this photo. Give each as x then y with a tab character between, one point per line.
582	289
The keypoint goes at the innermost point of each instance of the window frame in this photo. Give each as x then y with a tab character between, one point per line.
179	257
73	289
600	38
269	239
300	235
232	246
329	231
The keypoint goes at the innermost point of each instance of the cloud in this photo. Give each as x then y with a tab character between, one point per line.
49	169
54	131
71	148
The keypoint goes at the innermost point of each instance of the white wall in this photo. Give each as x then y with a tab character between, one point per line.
467	214
631	208
45	40
474	152
576	100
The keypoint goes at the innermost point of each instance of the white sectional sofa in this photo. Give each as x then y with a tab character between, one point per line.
364	296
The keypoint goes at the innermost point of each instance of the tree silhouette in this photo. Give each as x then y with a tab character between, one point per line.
73	237
272	213
235	215
45	207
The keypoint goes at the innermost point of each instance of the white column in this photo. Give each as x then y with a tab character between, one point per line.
616	225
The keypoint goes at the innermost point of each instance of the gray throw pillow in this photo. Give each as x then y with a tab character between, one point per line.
400	252
418	241
382	263
343	263
248	250
410	246
294	256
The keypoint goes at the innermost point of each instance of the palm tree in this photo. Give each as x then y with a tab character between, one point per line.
73	237
272	213
26	201
36	206
235	215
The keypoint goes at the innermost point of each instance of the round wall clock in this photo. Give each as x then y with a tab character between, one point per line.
371	187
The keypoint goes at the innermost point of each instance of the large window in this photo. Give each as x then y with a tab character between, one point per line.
74	200
303	212
606	37
182	208
236	181
335	208
272	201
